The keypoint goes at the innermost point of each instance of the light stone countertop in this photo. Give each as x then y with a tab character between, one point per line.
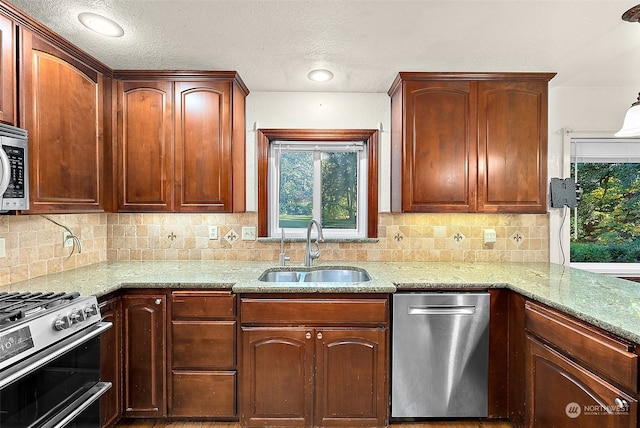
604	301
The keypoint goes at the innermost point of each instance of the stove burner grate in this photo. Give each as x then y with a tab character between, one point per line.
15	306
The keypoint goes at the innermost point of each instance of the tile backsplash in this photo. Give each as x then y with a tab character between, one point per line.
34	245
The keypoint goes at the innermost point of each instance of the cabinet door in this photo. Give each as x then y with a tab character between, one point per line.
111	363
7	71
563	394
144	357
351	383
62	110
439	158
277	377
203	146
512	146
145	146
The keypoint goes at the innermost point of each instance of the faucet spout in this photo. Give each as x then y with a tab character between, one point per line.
310	255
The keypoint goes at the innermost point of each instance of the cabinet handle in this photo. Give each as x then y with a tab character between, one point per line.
621	403
308	335
158	301
319	335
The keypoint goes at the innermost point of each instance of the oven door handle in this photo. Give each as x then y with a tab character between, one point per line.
78	406
32	364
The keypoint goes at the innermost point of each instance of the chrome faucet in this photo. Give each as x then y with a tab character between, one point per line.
283	258
308	254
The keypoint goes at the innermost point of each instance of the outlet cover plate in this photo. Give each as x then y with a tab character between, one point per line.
213	232
67	240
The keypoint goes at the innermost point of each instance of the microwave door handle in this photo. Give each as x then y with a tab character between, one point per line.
6	172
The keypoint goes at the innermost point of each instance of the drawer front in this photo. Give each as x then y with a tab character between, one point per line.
202	304
604	354
203	344
309	311
203	394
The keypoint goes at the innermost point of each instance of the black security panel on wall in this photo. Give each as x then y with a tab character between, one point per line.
563	192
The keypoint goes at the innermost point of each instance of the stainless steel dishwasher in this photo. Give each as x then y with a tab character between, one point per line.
439	355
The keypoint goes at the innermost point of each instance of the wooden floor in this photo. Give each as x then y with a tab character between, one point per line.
439	424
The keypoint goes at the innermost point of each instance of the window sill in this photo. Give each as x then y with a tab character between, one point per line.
270	240
613	269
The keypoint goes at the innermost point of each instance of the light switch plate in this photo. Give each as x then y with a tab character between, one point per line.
248	233
213	232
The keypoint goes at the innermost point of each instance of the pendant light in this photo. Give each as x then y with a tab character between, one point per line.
631	125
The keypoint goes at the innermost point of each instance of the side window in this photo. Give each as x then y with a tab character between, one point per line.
329	175
604	225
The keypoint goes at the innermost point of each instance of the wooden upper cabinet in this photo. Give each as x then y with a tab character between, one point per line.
512	146
145	140
8	91
469	142
181	142
441	147
203	146
61	107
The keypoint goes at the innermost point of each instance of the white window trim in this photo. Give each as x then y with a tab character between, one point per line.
275	148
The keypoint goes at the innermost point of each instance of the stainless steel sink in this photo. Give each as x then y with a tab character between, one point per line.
337	275
341	274
279	276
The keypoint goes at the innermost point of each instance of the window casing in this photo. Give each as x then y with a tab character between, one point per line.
343	139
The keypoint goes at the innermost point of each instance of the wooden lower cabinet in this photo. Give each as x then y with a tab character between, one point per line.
314	375
564	394
203	355
144	322
577	376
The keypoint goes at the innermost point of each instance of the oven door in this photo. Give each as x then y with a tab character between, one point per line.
58	387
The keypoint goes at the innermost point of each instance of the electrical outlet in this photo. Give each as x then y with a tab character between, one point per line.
67	240
248	233
213	232
3	251
489	236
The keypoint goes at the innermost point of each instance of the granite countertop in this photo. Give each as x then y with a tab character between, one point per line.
607	302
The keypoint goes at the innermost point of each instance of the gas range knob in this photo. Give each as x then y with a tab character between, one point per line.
76	316
61	323
91	310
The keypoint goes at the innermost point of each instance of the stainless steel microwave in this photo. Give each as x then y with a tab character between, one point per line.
14	169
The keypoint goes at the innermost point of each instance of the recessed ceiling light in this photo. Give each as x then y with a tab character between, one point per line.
100	24
320	75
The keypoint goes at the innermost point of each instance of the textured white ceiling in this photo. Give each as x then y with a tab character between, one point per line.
273	44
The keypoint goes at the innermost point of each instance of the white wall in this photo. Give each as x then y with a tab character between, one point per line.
318	110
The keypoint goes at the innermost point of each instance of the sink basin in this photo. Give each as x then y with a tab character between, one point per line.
337	275
279	276
342	274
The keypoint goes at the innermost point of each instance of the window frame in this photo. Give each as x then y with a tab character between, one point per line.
593	149
267	136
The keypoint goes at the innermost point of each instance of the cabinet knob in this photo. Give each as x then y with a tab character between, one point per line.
319	335
158	301
621	403
308	335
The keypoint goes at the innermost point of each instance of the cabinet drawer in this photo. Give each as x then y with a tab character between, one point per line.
312	311
608	356
204	394
203	344
203	304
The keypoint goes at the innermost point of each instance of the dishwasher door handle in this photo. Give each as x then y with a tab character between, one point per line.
443	310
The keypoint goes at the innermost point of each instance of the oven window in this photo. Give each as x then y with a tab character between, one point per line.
35	399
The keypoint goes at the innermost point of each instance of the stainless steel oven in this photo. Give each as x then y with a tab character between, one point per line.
50	360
